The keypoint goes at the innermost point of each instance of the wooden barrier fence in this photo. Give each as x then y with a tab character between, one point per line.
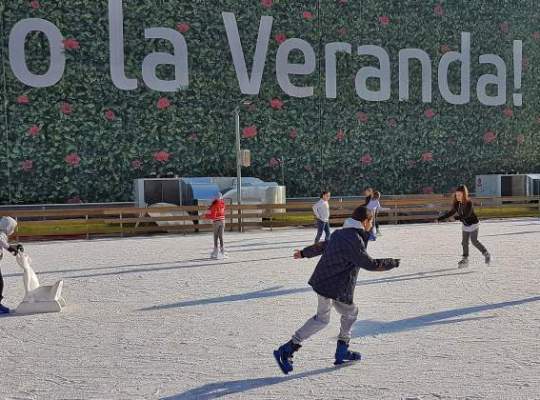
123	221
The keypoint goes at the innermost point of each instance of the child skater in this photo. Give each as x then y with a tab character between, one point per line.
374	206
462	209
334	281
216	213
7	227
321	209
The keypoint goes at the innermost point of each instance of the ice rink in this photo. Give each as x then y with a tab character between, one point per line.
155	318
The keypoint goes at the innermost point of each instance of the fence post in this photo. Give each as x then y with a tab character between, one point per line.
231	216
239	218
87	227
121	225
271	211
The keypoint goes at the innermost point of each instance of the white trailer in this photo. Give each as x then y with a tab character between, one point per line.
506	185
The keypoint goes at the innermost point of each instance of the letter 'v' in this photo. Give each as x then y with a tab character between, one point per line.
248	85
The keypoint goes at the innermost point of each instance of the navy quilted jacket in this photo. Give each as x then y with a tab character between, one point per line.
342	257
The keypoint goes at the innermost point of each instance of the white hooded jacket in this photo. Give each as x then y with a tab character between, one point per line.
7	227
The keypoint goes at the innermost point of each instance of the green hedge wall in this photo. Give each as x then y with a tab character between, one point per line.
85	140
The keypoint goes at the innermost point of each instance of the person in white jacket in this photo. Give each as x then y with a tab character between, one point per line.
321	209
374	206
7	228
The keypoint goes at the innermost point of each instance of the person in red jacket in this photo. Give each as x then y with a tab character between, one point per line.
216	212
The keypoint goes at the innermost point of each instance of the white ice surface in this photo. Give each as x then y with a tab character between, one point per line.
152	318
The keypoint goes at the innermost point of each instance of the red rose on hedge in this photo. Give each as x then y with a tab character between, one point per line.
342	31
489	137
276	104
293	134
266	3
536	35
27	165
23	100
392	123
110	115
250	132
163	103
428	190
183	27
136	164
71	44
444	49
162	156
429	113
35	4
308	15
362	117
280	38
366	159
428	156
66	108
504	27
34	130
73	159
384	20
274	162
340	135
438	10
508	112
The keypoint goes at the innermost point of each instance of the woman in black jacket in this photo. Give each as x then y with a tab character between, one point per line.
463	211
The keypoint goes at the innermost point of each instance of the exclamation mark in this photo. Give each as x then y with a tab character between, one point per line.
518	68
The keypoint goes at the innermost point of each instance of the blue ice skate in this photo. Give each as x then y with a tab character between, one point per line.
343	354
284	356
4	310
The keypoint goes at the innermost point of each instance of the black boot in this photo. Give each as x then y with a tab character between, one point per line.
343	354
284	356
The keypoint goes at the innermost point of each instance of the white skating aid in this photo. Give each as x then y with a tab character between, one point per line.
38	299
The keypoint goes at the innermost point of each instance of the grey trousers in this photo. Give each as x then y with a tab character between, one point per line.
219	227
474	240
349	313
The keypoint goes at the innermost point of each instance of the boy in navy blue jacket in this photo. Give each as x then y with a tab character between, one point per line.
334	281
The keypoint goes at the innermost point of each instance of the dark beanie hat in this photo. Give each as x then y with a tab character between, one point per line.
361	214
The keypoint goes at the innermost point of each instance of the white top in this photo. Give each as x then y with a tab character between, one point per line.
4	244
373	205
470	228
321	209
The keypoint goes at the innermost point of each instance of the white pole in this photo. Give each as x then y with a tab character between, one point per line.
238	169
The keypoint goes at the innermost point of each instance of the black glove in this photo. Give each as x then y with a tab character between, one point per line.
15	250
397	261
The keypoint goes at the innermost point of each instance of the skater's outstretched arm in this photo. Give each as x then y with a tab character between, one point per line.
447	215
362	258
311	251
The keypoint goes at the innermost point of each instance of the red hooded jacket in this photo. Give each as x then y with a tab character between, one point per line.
216	212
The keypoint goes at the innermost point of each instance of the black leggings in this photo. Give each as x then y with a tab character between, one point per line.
1	285
473	236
